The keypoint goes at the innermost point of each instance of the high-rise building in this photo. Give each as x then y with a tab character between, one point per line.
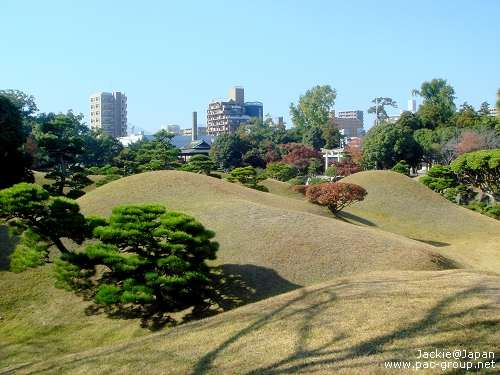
226	115
350	122
108	112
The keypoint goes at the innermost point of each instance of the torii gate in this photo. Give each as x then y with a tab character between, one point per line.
336	153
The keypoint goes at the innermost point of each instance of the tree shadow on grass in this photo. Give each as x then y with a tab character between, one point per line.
233	285
397	345
433	243
354	219
7	246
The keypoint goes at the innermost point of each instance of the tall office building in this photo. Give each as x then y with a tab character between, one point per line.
108	112
351	122
226	115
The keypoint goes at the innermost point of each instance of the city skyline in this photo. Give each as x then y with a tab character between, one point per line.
172	58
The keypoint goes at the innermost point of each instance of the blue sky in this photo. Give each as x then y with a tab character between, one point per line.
172	57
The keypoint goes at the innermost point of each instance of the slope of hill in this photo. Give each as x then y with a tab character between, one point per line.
398	204
301	242
271	245
353	325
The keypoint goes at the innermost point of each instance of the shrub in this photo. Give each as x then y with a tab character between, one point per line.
300	188
335	195
402	167
281	171
296	181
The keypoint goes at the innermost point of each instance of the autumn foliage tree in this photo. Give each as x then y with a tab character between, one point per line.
300	156
334	195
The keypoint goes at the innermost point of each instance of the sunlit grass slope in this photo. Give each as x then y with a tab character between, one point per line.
259	231
398	204
352	325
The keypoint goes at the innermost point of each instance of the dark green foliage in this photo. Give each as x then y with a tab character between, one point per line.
62	140
13	160
99	149
402	167
438	106
379	108
317	180
491	210
480	169
202	163
440	178
281	171
108	178
152	257
296	181
42	220
30	252
227	151
444	181
386	144
247	176
157	154
410	121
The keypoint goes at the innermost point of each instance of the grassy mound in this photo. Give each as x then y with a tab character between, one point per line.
259	231
363	304
401	205
352	325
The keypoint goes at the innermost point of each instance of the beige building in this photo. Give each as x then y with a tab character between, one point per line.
226	115
351	122
108	111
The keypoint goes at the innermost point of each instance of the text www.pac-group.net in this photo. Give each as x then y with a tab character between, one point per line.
447	360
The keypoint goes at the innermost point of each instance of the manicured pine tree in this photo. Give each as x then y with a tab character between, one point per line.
153	257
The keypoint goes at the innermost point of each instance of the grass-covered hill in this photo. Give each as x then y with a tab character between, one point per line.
336	295
270	235
401	205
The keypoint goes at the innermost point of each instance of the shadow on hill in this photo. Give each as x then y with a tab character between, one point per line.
479	331
234	285
353	219
433	243
7	245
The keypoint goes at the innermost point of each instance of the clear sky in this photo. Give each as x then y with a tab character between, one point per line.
172	57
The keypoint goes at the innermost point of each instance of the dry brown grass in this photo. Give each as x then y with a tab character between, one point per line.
351	322
398	204
351	325
300	242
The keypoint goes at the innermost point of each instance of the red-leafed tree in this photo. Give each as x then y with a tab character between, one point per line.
346	167
353	151
470	141
299	155
335	195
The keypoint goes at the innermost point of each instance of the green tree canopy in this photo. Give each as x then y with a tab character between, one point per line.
248	177
386	144
63	140
28	208
14	161
379	108
227	151
313	108
438	106
480	169
158	153
151	257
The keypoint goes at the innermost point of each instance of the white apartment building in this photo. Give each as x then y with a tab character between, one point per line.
108	112
350	122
